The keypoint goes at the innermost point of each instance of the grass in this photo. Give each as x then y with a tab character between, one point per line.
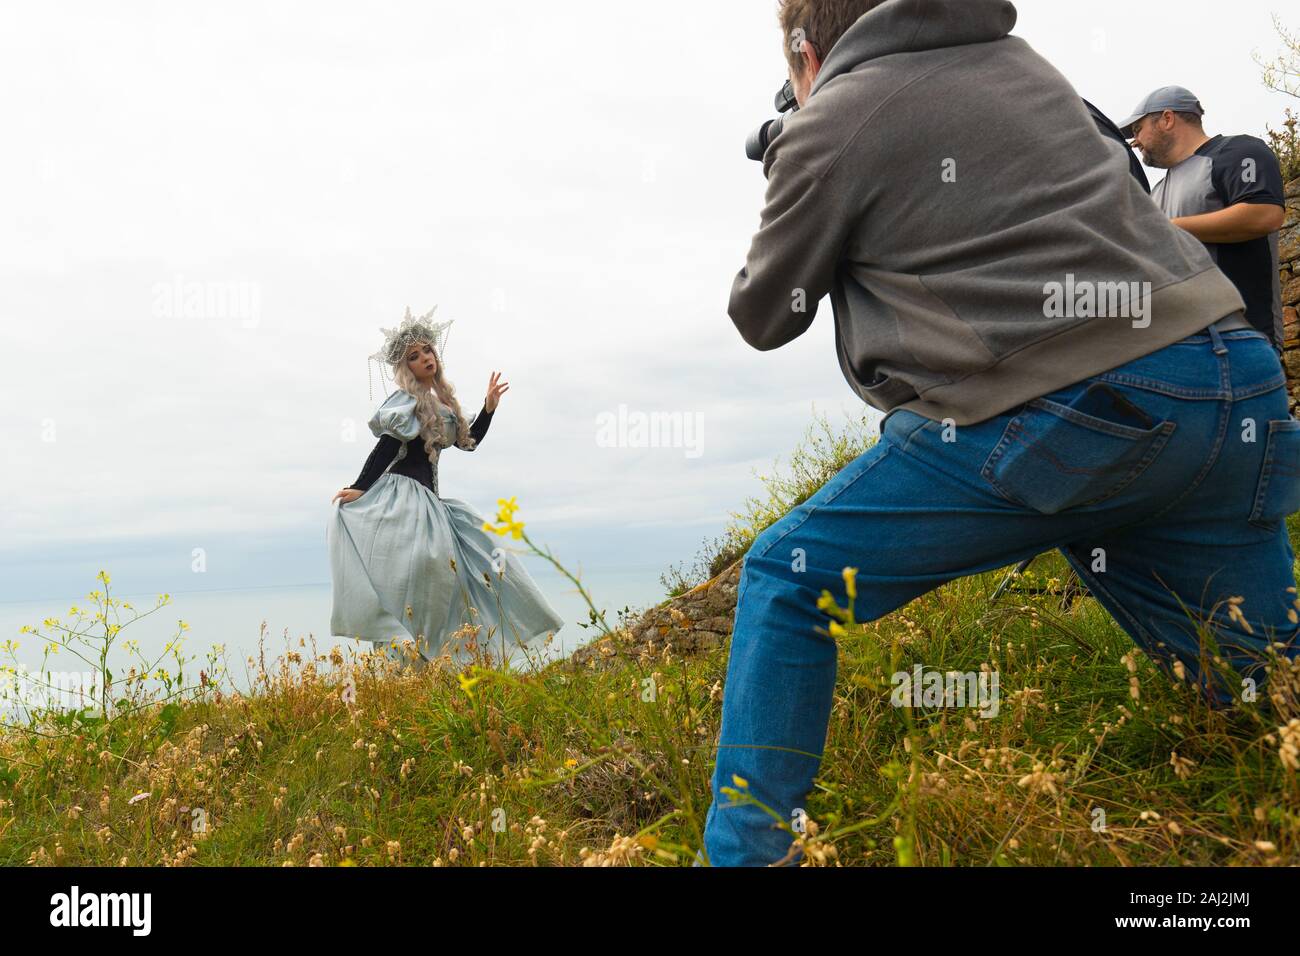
339	759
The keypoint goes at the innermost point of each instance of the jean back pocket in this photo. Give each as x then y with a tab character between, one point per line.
1277	493
1052	457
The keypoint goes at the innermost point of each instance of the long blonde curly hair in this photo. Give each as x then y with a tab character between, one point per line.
427	401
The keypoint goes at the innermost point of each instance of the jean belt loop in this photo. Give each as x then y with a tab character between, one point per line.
1217	340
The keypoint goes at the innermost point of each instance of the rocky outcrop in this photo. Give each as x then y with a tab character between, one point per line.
693	622
1288	254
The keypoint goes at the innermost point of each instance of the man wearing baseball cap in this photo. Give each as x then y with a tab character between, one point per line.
1224	190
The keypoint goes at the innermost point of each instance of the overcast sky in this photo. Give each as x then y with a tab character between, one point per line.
565	181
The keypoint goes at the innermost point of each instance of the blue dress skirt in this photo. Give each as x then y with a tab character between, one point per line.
407	564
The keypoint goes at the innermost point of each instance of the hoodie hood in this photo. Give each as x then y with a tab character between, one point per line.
908	26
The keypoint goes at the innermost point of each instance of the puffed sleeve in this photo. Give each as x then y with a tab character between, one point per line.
396	417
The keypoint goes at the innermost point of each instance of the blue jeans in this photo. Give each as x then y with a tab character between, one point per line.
1181	466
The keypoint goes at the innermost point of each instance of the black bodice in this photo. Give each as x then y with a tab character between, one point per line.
416	463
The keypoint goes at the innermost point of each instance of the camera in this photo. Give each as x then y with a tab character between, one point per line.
758	141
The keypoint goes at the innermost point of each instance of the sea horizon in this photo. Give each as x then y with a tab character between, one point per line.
239	618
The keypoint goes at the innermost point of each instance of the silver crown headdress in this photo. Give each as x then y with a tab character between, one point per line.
397	341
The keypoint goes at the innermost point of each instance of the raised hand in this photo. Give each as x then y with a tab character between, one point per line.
495	390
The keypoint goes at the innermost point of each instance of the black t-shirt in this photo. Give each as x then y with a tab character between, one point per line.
1224	171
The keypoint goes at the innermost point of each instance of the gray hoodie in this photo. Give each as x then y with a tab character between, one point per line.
982	243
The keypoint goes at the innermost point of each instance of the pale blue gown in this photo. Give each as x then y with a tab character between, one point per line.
391	562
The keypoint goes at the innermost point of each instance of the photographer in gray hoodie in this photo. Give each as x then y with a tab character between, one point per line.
1060	367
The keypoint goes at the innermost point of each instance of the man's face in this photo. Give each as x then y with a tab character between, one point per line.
1153	137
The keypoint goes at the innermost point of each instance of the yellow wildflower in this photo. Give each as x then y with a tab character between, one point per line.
850	581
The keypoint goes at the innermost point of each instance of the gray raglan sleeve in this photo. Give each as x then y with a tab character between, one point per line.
806	221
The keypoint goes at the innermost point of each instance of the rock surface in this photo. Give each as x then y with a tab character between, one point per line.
698	620
1288	255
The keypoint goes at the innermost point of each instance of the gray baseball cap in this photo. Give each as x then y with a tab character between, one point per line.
1176	98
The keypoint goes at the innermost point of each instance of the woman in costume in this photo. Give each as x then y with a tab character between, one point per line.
410	568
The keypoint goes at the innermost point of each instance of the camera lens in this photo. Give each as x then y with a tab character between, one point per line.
758	141
785	98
